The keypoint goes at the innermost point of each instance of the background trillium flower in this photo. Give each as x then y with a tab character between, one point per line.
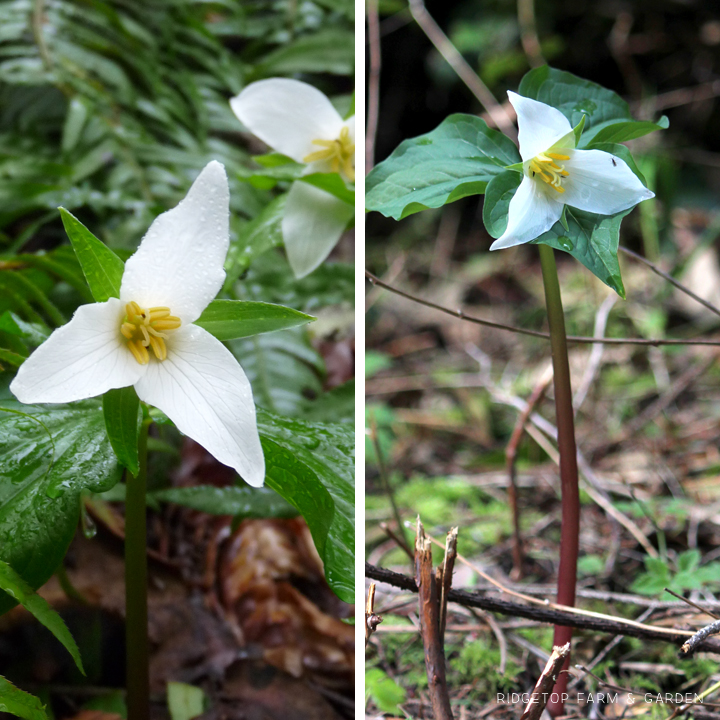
299	121
556	174
146	337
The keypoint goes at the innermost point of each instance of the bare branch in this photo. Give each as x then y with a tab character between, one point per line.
653	342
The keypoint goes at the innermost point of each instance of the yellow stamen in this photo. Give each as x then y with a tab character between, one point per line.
143	329
140	352
339	153
166	324
158	347
545	167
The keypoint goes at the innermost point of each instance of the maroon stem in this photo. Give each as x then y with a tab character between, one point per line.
570	496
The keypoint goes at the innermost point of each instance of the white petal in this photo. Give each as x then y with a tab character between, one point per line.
530	214
201	387
179	263
312	224
287	115
539	125
82	359
601	183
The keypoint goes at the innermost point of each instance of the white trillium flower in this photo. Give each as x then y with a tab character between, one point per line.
556	174
146	337
299	121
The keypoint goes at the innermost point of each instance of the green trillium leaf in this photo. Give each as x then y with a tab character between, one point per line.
498	194
312	466
333	184
574	96
232	319
593	240
102	268
456	159
50	456
617	132
123	417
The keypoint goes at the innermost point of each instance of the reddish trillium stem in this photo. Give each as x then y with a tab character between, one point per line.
136	606
570	496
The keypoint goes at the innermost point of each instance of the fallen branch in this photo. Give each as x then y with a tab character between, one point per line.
699	637
544	613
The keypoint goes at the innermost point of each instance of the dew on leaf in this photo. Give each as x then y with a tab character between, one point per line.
586	106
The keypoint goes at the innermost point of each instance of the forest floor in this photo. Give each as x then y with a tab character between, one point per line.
443	397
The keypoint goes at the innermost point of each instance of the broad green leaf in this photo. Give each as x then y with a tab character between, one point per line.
498	194
19	703
593	240
123	417
231	319
618	132
331	183
185	702
312	466
573	96
456	159
240	501
20	591
328	51
50	456
102	268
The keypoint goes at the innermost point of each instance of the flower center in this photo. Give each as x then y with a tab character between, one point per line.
145	329
545	167
340	153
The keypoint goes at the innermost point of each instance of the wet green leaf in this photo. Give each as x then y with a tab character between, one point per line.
50	456
312	465
102	268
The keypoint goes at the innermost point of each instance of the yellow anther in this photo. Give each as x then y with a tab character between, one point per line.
340	153
158	347
166	324
158	312
140	352
545	167
143	329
